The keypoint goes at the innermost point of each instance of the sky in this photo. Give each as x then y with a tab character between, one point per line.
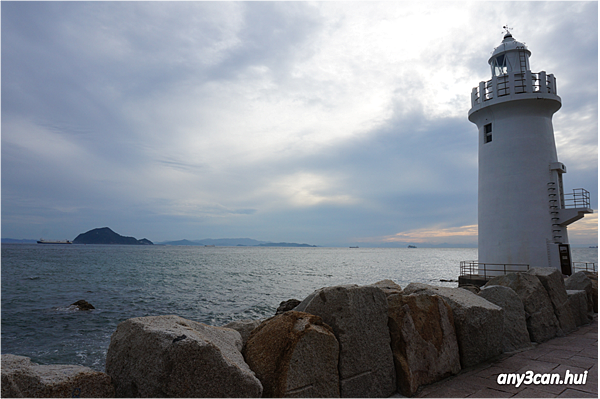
328	123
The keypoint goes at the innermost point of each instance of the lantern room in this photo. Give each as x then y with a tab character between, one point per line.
509	56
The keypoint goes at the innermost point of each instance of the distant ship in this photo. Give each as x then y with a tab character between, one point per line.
353	247
411	246
42	241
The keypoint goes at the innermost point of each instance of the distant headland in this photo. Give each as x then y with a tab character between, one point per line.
105	235
234	242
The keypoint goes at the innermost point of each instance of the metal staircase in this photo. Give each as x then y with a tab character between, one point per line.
554	212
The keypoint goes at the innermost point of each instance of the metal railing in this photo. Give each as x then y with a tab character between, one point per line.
579	198
587	266
474	268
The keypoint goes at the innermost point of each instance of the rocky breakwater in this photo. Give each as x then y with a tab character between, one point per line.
551	310
342	341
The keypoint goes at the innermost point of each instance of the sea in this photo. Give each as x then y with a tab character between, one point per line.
212	285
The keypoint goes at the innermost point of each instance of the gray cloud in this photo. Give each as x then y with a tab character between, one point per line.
311	122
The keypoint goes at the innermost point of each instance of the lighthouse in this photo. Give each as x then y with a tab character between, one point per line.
523	207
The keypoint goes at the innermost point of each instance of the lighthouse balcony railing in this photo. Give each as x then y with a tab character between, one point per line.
477	273
513	83
579	198
584	266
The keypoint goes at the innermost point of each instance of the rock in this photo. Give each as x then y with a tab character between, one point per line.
23	378
83	305
470	287
541	321
579	307
479	324
295	354
169	356
594	278
244	327
515	335
358	316
423	340
580	281
284	306
554	284
388	287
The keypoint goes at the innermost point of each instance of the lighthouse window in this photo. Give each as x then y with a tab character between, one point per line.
499	65
487	133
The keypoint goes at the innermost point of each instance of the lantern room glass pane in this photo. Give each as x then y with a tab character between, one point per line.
499	65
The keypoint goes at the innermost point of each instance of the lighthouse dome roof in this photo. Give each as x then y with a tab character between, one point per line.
509	44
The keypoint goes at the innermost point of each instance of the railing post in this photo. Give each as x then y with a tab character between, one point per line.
543	82
551	84
482	93
474	97
510	83
528	82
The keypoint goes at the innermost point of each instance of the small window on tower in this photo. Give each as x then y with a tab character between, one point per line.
487	133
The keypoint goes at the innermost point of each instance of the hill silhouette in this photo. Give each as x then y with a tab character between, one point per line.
105	235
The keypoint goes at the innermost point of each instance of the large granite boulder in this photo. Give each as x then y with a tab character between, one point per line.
553	282
169	356
579	307
580	281
541	321
295	355
21	378
423	340
593	276
244	327
515	335
479	323
358	317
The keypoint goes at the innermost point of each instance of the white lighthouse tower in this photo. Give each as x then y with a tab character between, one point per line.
523	209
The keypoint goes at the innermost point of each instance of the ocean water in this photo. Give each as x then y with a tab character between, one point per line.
212	285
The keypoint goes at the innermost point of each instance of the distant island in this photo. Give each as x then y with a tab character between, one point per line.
104	235
234	242
285	244
220	242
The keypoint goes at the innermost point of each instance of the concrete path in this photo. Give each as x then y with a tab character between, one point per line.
577	353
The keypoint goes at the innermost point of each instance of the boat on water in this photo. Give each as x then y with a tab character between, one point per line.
42	241
412	246
353	247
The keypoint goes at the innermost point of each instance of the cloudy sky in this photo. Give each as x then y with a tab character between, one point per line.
324	123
